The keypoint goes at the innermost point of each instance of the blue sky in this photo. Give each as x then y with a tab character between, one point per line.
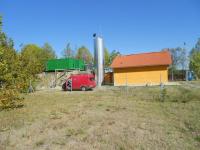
130	26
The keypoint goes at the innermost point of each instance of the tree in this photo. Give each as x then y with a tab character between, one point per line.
10	74
48	51
3	66
11	69
113	54
68	52
196	48
0	23
106	57
32	57
195	59
9	61
84	53
4	40
12	78
195	63
179	59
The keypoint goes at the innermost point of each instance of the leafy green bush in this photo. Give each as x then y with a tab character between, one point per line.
9	98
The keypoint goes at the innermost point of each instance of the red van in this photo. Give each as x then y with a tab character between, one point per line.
81	82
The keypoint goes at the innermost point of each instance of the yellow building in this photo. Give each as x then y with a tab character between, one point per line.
141	69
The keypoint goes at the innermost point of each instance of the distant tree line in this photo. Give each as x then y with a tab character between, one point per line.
181	60
84	54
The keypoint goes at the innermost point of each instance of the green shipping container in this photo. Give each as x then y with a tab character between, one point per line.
65	64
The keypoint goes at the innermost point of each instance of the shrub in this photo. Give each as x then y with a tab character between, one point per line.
163	94
9	98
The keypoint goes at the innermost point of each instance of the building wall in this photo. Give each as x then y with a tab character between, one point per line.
108	78
140	75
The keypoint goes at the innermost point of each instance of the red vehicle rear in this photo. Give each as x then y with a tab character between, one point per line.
80	82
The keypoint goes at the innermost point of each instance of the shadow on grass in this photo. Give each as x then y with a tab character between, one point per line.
7	108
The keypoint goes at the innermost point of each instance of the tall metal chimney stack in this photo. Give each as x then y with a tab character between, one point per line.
99	59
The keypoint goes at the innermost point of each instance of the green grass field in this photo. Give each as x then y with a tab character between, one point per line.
107	118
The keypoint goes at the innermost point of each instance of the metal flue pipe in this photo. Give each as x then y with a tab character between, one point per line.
99	59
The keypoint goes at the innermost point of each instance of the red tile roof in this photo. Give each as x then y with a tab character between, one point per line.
143	59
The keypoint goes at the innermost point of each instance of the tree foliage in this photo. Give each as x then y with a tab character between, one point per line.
17	69
195	63
9	62
179	58
106	57
31	55
113	54
84	53
48	52
11	78
68	52
10	72
195	59
34	57
196	48
0	23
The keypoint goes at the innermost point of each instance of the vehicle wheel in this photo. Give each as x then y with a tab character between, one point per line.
83	88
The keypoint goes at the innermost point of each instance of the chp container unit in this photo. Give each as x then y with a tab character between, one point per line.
99	59
65	64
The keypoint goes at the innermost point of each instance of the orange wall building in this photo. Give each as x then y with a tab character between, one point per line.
141	69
